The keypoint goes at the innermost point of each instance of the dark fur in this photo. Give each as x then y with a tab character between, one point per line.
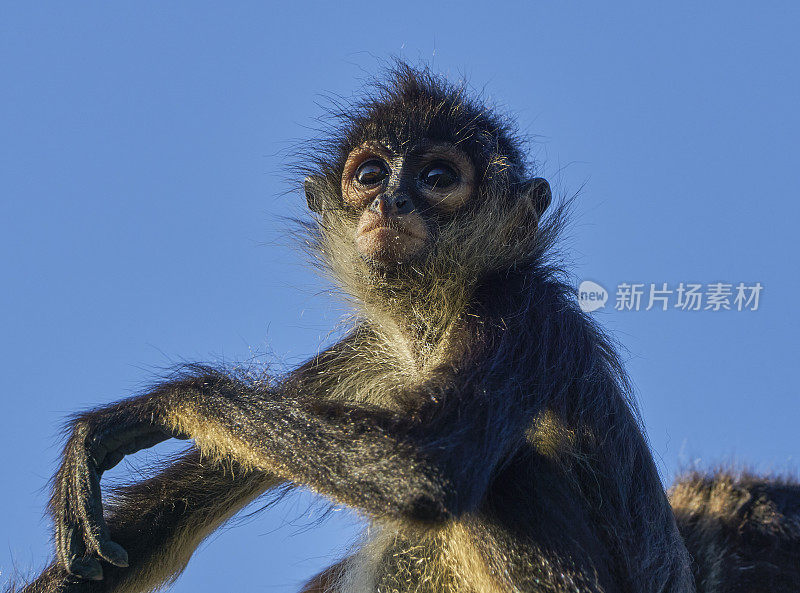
743	531
474	414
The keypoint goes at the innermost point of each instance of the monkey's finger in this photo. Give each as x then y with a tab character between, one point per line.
64	531
72	548
95	528
77	563
112	552
69	541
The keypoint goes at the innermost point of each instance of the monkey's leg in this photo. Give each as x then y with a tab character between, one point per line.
161	521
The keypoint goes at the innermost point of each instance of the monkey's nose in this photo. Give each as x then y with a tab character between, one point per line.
392	205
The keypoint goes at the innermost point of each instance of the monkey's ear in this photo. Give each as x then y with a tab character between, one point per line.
314	187
537	192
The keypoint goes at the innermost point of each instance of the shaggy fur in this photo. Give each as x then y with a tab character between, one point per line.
742	530
477	418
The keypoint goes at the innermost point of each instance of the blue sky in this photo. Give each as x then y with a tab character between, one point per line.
143	182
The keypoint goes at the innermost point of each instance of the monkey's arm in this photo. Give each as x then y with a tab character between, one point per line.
424	468
160	522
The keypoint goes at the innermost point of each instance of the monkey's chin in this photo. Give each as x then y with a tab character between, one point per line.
386	260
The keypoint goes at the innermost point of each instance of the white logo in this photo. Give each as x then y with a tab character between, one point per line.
591	296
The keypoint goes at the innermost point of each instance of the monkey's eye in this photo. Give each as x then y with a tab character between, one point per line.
372	172
438	175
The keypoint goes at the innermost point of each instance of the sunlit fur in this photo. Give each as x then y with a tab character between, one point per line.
479	421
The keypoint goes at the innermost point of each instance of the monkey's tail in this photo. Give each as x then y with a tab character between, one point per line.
742	530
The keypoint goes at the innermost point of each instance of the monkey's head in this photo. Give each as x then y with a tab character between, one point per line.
403	195
421	180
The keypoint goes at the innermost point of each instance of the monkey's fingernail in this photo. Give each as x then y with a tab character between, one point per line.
114	553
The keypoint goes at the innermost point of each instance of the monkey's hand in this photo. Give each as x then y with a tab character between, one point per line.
98	442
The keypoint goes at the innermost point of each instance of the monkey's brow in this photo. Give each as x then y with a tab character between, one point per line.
390	144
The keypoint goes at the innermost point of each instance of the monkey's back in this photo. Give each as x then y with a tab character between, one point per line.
742	531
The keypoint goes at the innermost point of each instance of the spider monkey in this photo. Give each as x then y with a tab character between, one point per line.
480	421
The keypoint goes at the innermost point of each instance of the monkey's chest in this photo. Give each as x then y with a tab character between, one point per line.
415	566
443	561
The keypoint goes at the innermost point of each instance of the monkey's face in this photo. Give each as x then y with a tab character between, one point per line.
401	197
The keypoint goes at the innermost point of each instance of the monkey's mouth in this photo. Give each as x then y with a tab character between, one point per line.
385	229
386	241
